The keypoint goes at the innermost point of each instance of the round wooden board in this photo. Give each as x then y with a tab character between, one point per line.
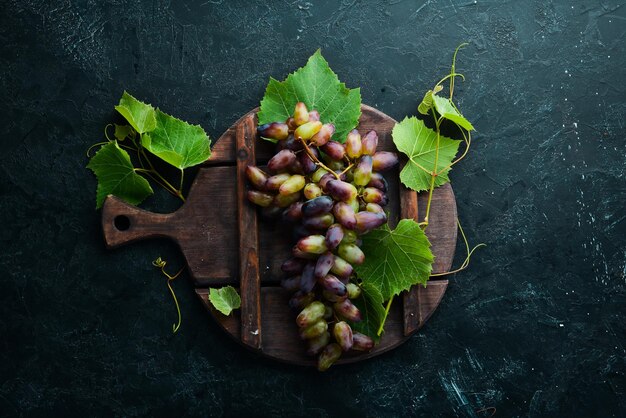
217	253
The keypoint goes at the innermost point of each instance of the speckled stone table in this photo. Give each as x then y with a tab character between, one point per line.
535	327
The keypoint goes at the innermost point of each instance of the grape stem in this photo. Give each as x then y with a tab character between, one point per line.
160	264
317	161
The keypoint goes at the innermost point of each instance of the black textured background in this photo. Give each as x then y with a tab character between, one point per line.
534	328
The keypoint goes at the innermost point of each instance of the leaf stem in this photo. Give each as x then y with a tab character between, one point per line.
453	68
166	184
382	323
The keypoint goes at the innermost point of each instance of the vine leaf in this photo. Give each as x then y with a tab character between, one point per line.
177	142
225	299
370	304
419	143
140	115
116	175
396	260
319	88
122	131
444	107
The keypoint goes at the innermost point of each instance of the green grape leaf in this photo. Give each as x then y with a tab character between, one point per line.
396	260
370	303
444	107
122	131
225	299
177	142
140	115
116	175
419	143
319	88
426	104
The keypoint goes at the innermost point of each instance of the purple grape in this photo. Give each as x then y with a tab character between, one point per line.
317	206
341	190
344	213
281	160
369	143
274	130
334	150
307	278
324	264
334	235
384	160
293	266
333	285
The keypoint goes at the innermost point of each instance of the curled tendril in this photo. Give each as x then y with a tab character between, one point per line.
160	264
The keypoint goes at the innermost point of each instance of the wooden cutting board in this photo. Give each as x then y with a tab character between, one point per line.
224	243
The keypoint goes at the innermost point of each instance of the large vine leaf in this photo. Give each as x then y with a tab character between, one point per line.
140	115
177	142
225	299
116	175
396	260
419	143
370	304
319	88
445	108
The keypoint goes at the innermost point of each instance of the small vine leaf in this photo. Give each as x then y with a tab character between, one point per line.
413	138
116	175
122	131
177	142
445	108
370	304
319	88
140	115
426	104
225	299
396	260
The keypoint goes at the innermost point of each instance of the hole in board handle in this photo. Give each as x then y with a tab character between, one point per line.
121	222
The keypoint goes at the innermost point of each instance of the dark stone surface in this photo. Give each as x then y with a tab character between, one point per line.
534	328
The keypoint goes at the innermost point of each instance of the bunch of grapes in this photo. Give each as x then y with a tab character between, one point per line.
333	193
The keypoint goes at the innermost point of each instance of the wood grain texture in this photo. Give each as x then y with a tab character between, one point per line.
221	248
250	282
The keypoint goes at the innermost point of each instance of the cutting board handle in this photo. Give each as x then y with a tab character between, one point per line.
123	223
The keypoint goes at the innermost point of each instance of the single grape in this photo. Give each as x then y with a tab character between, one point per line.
319	222
361	342
256	176
330	354
340	190
274	182
354	291
260	198
293	184
317	344
284	200
341	268
314	115
333	285
317	206
374	195
374	208
307	278
317	175
307	164
369	143
377	180
314	330
366	221
311	314
307	130
323	136
334	236
293	266
281	160
384	160
300	114
311	191
363	171
324	264
274	130
353	144
351	253
332	297
344	214
294	212
343	335
346	309
334	150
